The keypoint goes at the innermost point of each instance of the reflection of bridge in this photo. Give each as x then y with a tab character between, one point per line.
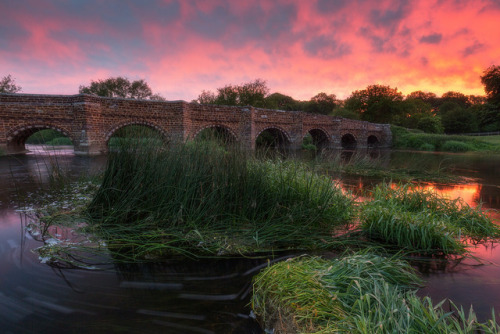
89	121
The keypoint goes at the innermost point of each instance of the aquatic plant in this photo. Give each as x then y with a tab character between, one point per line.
202	198
355	293
422	221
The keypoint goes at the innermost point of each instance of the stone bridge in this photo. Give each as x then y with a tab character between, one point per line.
90	121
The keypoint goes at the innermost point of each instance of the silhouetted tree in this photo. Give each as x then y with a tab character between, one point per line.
321	103
8	85
491	82
376	103
120	87
249	94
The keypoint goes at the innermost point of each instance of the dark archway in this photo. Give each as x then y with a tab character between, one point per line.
217	133
135	133
373	142
316	137
348	142
44	135
272	138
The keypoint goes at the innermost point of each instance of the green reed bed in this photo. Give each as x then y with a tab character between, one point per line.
202	199
422	221
357	293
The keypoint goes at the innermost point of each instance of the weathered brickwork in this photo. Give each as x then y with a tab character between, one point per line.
89	121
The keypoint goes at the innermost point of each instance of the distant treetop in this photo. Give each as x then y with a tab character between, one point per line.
120	87
8	85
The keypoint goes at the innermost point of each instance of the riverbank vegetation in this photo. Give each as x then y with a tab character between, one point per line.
354	293
406	139
200	198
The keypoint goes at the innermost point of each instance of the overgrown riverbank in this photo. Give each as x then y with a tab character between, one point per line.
417	140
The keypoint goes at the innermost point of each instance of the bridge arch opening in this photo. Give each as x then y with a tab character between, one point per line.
373	142
51	137
127	134
348	142
316	139
218	134
272	138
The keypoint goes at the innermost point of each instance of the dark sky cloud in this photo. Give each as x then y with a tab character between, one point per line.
326	47
431	39
472	49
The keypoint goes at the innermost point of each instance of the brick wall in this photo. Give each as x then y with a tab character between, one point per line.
89	121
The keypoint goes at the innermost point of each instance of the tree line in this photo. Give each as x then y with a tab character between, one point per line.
453	112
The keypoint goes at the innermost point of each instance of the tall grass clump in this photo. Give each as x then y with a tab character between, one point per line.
200	198
358	293
422	221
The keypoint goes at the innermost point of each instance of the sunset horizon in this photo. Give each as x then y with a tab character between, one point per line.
298	48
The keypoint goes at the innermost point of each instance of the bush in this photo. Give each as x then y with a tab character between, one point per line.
456	146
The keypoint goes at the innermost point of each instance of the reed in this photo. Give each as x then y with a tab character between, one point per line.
422	221
201	198
355	293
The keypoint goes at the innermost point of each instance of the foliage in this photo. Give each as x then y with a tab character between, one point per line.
376	103
282	102
45	137
456	119
357	293
120	87
248	94
430	124
8	85
405	139
491	81
321	103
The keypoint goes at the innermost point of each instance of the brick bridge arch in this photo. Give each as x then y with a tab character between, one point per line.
89	121
17	136
144	123
233	136
320	137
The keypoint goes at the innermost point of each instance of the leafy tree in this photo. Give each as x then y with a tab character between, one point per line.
321	103
491	81
249	94
376	103
8	85
120	87
426	97
430	123
455	97
456	119
282	102
206	97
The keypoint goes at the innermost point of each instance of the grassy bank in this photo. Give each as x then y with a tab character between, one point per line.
357	293
414	140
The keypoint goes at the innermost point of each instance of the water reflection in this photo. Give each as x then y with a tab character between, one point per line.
209	296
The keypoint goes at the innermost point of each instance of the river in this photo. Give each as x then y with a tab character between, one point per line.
195	296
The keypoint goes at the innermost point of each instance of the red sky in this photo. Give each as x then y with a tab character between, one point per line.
300	48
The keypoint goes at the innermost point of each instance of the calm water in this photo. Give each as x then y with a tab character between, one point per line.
187	296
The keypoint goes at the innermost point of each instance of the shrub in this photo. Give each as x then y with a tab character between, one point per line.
456	146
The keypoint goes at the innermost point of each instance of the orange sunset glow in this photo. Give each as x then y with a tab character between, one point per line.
300	48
